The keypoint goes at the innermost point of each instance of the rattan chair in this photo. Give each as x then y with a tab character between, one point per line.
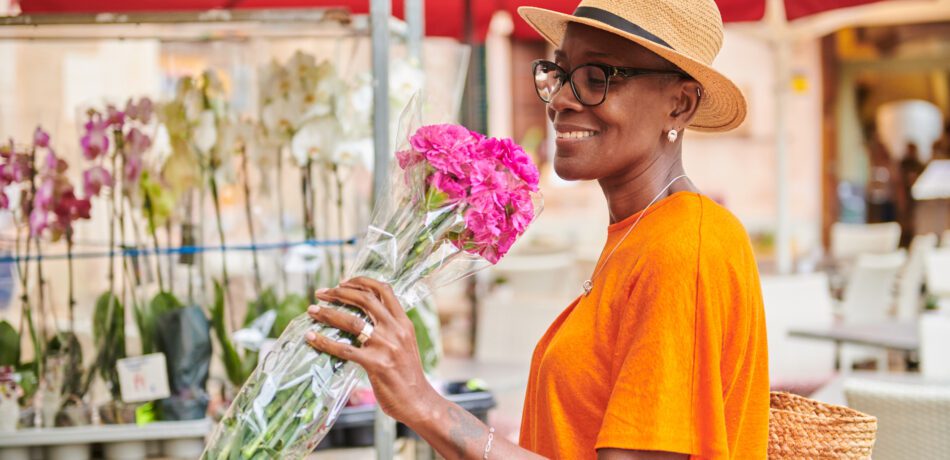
913	419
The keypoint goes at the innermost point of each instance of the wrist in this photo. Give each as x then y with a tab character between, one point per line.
426	405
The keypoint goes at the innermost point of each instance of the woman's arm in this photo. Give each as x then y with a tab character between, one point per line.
391	360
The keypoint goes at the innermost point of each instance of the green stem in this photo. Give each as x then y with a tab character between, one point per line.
250	220
340	223
280	213
150	213
213	182
69	268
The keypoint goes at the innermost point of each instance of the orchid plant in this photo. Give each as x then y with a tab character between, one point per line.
114	142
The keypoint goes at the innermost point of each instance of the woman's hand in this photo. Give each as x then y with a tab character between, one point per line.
390	356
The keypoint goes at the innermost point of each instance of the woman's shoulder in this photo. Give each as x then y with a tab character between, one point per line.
695	223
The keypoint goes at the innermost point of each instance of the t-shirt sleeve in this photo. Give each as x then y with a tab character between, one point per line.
667	392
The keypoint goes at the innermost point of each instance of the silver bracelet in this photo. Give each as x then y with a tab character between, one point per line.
491	437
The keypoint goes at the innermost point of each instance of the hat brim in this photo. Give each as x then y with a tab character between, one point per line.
722	108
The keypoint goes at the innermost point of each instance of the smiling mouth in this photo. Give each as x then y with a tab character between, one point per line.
576	134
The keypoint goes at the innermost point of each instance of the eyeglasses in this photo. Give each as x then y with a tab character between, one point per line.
589	82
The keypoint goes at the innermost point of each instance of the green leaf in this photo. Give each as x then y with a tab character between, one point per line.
66	345
257	307
28	381
148	315
108	331
425	321
9	345
233	364
291	307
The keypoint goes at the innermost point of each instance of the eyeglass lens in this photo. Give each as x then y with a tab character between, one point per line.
589	83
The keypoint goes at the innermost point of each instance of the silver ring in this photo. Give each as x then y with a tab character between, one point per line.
366	333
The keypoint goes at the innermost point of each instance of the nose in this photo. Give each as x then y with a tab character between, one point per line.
564	100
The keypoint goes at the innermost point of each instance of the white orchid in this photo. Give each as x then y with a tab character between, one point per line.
315	140
206	131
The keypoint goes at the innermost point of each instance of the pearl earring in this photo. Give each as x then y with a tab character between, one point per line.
672	135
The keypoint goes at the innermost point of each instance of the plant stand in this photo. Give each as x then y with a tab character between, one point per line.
180	440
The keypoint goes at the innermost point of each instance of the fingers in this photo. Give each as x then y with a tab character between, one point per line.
339	349
346	322
363	300
382	291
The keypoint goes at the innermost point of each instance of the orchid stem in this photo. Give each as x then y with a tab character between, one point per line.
280	214
69	268
340	223
224	257
150	212
250	220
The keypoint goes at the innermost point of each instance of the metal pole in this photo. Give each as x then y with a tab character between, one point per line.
416	21
783	237
380	12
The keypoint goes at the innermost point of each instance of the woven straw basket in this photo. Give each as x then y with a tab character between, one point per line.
802	428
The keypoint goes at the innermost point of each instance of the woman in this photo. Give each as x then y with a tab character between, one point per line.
664	353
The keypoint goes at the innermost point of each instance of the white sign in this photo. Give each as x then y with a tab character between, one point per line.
143	378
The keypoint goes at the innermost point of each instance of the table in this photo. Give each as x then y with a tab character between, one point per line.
833	391
902	336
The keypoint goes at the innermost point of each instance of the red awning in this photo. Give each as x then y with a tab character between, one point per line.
444	18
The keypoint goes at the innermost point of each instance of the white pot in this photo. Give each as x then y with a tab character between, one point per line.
9	414
129	450
183	449
68	452
15	453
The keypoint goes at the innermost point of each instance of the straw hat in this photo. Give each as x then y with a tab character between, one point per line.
687	33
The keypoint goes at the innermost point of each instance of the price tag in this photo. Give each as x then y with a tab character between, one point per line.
143	378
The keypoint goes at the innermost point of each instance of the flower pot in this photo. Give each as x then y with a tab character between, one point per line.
68	452
129	450
117	413
15	453
9	414
183	449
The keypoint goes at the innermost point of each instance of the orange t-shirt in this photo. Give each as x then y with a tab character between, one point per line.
667	353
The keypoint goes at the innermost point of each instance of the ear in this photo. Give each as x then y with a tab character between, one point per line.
687	95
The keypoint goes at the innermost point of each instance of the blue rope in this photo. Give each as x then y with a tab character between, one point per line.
181	250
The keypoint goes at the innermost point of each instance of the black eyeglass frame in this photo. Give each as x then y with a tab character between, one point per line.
609	71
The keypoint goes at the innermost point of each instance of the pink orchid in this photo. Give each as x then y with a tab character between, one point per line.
137	142
40	138
142	111
38	221
95	140
94	178
114	117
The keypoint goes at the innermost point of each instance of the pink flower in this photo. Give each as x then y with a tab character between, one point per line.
38	221
94	178
114	117
133	167
408	158
448	185
40	138
446	147
45	194
142	111
95	140
137	141
69	208
514	158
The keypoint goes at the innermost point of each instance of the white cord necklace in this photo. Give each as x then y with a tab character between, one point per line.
589	284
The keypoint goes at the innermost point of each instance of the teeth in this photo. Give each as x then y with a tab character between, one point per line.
576	134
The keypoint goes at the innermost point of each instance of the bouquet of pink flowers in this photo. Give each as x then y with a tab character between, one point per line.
458	199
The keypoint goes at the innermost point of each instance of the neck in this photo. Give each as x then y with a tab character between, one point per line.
633	191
